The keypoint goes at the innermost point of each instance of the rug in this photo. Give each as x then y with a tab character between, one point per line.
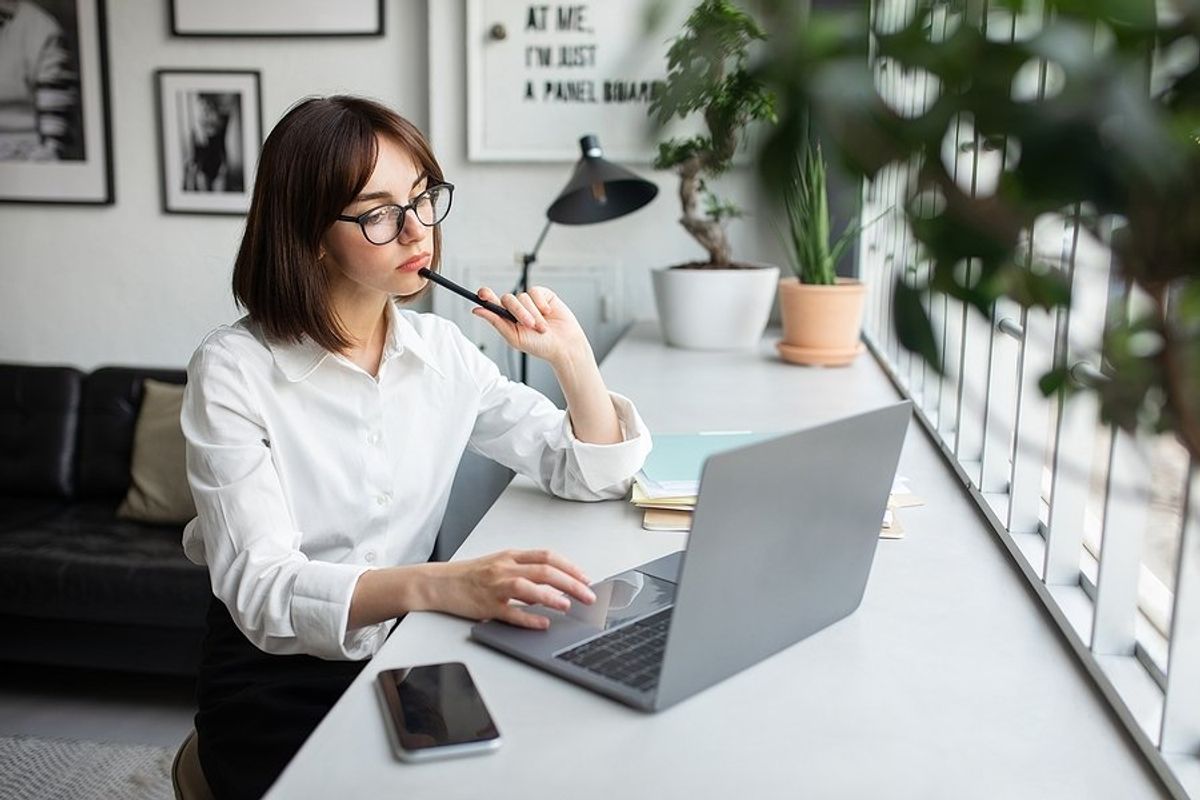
62	769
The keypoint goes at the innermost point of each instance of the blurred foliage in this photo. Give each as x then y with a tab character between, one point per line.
1106	144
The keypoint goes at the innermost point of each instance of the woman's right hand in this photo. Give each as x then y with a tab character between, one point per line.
481	588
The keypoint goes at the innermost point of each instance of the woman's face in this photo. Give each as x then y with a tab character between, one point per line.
359	267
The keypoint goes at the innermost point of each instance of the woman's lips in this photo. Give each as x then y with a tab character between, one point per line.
414	264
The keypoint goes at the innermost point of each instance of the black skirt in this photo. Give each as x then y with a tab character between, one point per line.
256	709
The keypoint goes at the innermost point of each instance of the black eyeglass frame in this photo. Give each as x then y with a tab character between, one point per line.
404	209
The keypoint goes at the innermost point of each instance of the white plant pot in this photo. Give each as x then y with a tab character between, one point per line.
714	309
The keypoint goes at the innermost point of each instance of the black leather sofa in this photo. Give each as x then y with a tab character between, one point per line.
79	586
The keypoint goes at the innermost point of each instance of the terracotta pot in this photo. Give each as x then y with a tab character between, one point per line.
821	324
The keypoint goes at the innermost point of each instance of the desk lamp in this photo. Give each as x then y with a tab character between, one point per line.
598	191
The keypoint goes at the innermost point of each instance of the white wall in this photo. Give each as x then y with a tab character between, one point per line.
499	208
128	284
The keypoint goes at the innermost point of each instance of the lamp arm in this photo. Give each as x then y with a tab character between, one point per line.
528	258
526	261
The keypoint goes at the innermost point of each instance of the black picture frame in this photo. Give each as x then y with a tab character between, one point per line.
207	19
210	133
64	156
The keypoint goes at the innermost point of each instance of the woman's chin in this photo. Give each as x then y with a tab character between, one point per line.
413	284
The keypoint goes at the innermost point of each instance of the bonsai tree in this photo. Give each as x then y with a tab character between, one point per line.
813	257
708	75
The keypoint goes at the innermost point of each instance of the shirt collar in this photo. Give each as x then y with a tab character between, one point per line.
299	360
403	336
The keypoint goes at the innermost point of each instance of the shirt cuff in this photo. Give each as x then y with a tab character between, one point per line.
321	611
603	465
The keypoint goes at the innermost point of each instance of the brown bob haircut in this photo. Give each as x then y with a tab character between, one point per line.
314	163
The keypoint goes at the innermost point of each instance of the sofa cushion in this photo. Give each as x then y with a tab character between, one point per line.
108	414
85	564
39	411
16	512
159	490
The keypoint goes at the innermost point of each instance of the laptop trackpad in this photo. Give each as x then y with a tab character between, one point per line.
624	597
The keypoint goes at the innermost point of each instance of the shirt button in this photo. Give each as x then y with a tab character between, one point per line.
383	499
370	556
375	438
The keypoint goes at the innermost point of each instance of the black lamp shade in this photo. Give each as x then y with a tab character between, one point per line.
599	190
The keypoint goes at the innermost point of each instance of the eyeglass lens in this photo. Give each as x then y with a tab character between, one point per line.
384	224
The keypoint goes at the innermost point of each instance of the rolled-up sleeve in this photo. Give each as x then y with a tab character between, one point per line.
244	531
520	428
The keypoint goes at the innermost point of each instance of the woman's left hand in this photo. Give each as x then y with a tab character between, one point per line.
545	327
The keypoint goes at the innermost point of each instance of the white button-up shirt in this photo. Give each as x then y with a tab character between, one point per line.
307	471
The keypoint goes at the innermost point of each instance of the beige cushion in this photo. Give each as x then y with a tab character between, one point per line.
158	489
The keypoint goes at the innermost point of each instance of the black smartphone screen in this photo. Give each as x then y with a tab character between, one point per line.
436	705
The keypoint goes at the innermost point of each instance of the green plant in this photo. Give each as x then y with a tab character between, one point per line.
708	74
812	256
1106	147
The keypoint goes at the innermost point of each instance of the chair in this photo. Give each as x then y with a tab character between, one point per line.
186	776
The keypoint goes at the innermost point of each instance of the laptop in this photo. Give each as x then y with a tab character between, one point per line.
782	541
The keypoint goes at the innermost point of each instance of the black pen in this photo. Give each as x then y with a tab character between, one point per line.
425	272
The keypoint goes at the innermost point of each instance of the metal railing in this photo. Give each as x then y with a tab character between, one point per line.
1073	507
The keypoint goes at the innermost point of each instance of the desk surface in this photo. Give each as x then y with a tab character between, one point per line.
949	681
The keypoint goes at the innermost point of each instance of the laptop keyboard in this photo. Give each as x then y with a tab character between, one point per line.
631	654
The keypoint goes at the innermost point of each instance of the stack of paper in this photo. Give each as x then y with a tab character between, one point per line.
670	479
669	482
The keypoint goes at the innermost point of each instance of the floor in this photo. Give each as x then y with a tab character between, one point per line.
95	705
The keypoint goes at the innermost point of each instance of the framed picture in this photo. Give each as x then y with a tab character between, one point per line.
209	135
276	18
55	134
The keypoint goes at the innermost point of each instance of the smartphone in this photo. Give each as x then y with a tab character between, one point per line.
434	711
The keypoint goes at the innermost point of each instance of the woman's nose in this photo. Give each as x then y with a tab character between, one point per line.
413	230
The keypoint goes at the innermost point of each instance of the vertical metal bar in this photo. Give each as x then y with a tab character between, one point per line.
1126	515
1036	357
989	475
968	440
868	252
897	220
1032	417
1000	407
1076	428
1181	705
975	351
920	371
952	339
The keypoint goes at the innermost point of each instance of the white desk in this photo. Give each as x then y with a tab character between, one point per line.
948	682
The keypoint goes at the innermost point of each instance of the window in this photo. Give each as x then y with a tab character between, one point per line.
1098	516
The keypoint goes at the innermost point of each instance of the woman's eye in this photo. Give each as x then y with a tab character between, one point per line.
378	217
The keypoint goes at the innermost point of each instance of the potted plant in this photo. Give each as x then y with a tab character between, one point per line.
821	313
717	303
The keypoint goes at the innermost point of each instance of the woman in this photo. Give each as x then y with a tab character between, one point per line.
325	427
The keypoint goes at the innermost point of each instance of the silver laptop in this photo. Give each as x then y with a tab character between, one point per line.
782	541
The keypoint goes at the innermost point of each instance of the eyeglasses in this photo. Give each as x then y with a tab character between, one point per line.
383	224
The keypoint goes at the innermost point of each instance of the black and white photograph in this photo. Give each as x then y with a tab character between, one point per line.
209	134
270	18
54	120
